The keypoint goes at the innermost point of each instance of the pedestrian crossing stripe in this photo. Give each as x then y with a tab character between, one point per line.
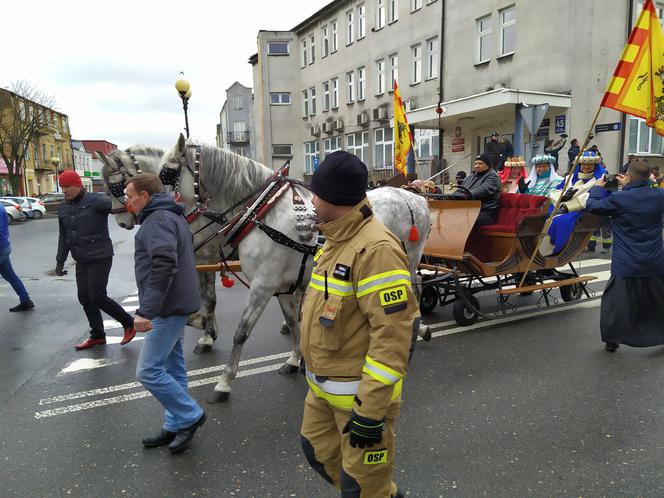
375	457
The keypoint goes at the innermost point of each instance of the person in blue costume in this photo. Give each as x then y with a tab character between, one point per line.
573	202
543	178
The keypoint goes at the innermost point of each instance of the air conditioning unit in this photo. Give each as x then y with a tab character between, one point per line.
327	127
363	119
409	105
315	131
380	114
338	124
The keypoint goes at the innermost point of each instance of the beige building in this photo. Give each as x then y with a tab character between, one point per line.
325	85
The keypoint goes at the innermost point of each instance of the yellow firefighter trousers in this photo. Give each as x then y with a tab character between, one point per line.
357	472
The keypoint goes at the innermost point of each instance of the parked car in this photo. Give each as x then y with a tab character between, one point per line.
52	201
38	208
14	211
25	204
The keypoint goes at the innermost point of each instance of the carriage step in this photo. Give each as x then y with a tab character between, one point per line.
549	285
233	266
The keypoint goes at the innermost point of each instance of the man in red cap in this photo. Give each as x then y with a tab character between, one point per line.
83	218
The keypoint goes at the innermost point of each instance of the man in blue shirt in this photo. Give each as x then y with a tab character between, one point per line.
632	301
6	269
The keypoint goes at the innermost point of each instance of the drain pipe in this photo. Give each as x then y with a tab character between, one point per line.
623	127
441	63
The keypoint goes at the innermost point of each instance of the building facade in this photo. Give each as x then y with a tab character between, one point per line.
325	84
83	164
235	128
47	150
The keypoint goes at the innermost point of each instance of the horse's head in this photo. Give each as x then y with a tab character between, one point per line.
117	168
174	169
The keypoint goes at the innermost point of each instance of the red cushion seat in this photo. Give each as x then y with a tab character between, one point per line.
512	208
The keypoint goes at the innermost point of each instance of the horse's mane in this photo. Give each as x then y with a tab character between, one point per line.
145	150
234	175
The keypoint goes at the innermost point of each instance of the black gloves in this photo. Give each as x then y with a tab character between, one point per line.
364	432
568	195
522	185
563	209
59	271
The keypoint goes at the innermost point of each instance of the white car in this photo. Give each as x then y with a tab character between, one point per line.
14	211
37	206
29	205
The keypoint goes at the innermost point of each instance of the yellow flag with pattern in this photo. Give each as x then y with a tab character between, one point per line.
637	86
403	140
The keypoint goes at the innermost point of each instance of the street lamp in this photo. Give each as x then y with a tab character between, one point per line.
56	163
182	86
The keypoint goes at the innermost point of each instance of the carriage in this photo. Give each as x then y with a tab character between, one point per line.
459	262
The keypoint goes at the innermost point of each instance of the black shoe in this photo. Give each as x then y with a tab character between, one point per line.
184	436
164	437
27	305
399	495
611	346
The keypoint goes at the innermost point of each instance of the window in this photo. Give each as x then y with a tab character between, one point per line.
416	73
394	70
312	99
432	58
51	147
311	156
358	144
277	48
44	152
350	36
335	37
484	39
305	55
507	30
282	150
335	93
380	77
35	154
326	95
280	99
237	102
350	87
415	5
380	14
383	148
361	83
312	49
305	104
643	139
239	132
361	21
392	10
330	145
326	42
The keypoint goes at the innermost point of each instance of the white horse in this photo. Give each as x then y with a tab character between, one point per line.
273	269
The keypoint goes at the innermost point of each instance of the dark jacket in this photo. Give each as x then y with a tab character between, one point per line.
572	153
636	213
4	228
164	261
484	187
84	228
495	150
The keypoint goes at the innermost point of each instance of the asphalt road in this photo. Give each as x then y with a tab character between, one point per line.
519	406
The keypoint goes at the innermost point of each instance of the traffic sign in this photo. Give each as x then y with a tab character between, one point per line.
607	127
533	116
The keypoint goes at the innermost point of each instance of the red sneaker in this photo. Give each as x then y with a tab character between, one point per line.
129	334
90	343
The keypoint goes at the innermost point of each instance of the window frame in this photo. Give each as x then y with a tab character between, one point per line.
380	77
361	21
310	155
392	11
312	49
506	25
280	98
334	30
432	59
312	101
274	42
415	5
305	103
335	93
386	131
363	146
480	35
350	87
328	150
350	27
326	96
304	53
416	64
394	70
325	42
282	154
381	14
638	149
361	83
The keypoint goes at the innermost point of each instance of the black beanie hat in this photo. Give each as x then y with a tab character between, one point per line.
341	179
486	159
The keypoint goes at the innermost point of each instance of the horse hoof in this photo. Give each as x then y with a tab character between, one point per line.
286	369
284	330
218	397
202	348
426	336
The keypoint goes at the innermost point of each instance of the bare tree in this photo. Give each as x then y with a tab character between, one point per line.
24	110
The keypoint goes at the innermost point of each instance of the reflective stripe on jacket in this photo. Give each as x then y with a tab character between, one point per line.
358	316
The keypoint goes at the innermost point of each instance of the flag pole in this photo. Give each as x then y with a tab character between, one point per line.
545	230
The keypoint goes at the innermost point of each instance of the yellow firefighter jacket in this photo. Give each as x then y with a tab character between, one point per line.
359	316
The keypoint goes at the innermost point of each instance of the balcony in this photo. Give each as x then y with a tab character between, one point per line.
238	137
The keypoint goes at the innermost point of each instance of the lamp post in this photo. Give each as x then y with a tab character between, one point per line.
182	86
56	163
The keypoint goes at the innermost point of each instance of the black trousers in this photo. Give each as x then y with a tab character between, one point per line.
91	282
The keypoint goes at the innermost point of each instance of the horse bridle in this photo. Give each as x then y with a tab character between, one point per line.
117	189
171	176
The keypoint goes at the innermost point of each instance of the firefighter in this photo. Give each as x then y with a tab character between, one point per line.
359	325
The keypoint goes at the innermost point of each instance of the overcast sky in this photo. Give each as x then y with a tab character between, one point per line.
112	66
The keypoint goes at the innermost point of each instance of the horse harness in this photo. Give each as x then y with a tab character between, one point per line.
117	189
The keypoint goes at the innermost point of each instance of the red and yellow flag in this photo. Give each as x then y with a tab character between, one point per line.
403	140
637	86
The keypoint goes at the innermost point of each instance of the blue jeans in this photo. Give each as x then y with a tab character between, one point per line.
10	276
161	370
